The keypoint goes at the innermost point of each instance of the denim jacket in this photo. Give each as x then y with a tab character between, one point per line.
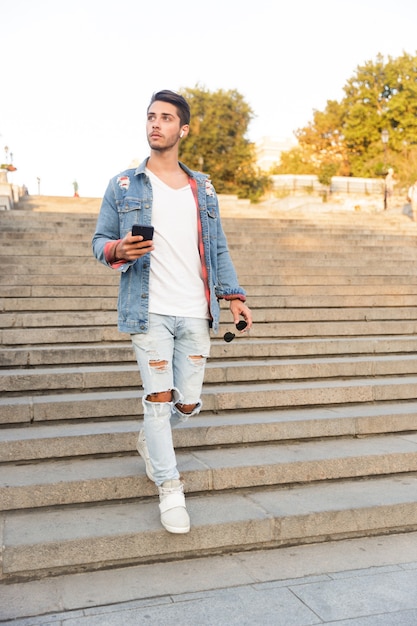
128	201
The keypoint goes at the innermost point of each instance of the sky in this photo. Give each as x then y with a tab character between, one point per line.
76	76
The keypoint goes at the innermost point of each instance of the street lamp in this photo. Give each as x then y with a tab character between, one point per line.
385	139
388	184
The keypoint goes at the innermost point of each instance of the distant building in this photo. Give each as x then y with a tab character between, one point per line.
268	151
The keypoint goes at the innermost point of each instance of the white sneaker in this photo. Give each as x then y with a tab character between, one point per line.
142	448
174	516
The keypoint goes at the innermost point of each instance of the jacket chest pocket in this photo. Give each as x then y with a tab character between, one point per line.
131	211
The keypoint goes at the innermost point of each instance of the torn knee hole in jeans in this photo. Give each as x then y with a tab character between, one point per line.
159	396
187	409
197	359
160	366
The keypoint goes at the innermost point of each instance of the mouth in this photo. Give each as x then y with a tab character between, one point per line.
155	136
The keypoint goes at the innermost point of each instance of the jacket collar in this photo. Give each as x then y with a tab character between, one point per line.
197	175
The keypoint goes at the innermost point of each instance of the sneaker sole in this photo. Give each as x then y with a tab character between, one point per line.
175	530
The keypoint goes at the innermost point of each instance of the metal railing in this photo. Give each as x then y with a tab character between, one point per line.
340	184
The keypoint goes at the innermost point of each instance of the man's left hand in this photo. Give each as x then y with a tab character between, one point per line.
239	309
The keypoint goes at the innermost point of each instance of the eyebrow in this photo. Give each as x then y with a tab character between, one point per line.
162	113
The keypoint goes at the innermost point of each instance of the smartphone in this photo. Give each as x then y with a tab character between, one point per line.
145	231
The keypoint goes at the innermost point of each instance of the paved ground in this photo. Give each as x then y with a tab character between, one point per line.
361	582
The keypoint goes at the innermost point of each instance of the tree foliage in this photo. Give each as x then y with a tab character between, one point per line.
381	95
217	142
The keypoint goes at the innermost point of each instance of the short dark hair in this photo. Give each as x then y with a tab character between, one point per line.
181	104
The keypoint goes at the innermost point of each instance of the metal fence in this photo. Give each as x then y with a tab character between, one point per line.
340	184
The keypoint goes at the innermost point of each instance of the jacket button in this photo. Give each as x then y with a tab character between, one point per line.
144	295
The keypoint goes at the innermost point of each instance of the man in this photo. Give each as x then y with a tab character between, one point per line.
169	287
412	197
389	189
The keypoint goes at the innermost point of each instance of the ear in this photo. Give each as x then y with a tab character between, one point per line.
184	131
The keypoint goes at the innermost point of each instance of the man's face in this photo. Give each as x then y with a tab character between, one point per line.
163	126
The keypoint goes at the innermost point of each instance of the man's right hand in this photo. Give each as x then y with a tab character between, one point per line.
132	247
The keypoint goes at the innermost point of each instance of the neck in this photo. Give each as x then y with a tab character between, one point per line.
163	162
168	170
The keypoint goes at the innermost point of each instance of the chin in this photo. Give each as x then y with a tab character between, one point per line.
155	145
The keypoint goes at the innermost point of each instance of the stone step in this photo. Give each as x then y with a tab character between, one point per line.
336	225
54	303
92	267
118	376
38	356
86	438
271	251
288	227
251	214
126	403
273	247
372	288
288	280
64	482
38	282
59	295
284	314
325	248
36	203
272	260
239	232
299	219
107	332
301	240
284	224
79	538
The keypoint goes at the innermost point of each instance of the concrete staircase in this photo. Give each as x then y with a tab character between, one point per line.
308	431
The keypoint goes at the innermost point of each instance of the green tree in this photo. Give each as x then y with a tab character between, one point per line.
294	161
381	95
322	140
320	143
217	142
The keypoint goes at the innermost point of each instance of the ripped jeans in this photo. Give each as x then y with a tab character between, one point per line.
171	356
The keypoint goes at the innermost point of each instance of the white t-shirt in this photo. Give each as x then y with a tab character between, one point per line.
176	283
